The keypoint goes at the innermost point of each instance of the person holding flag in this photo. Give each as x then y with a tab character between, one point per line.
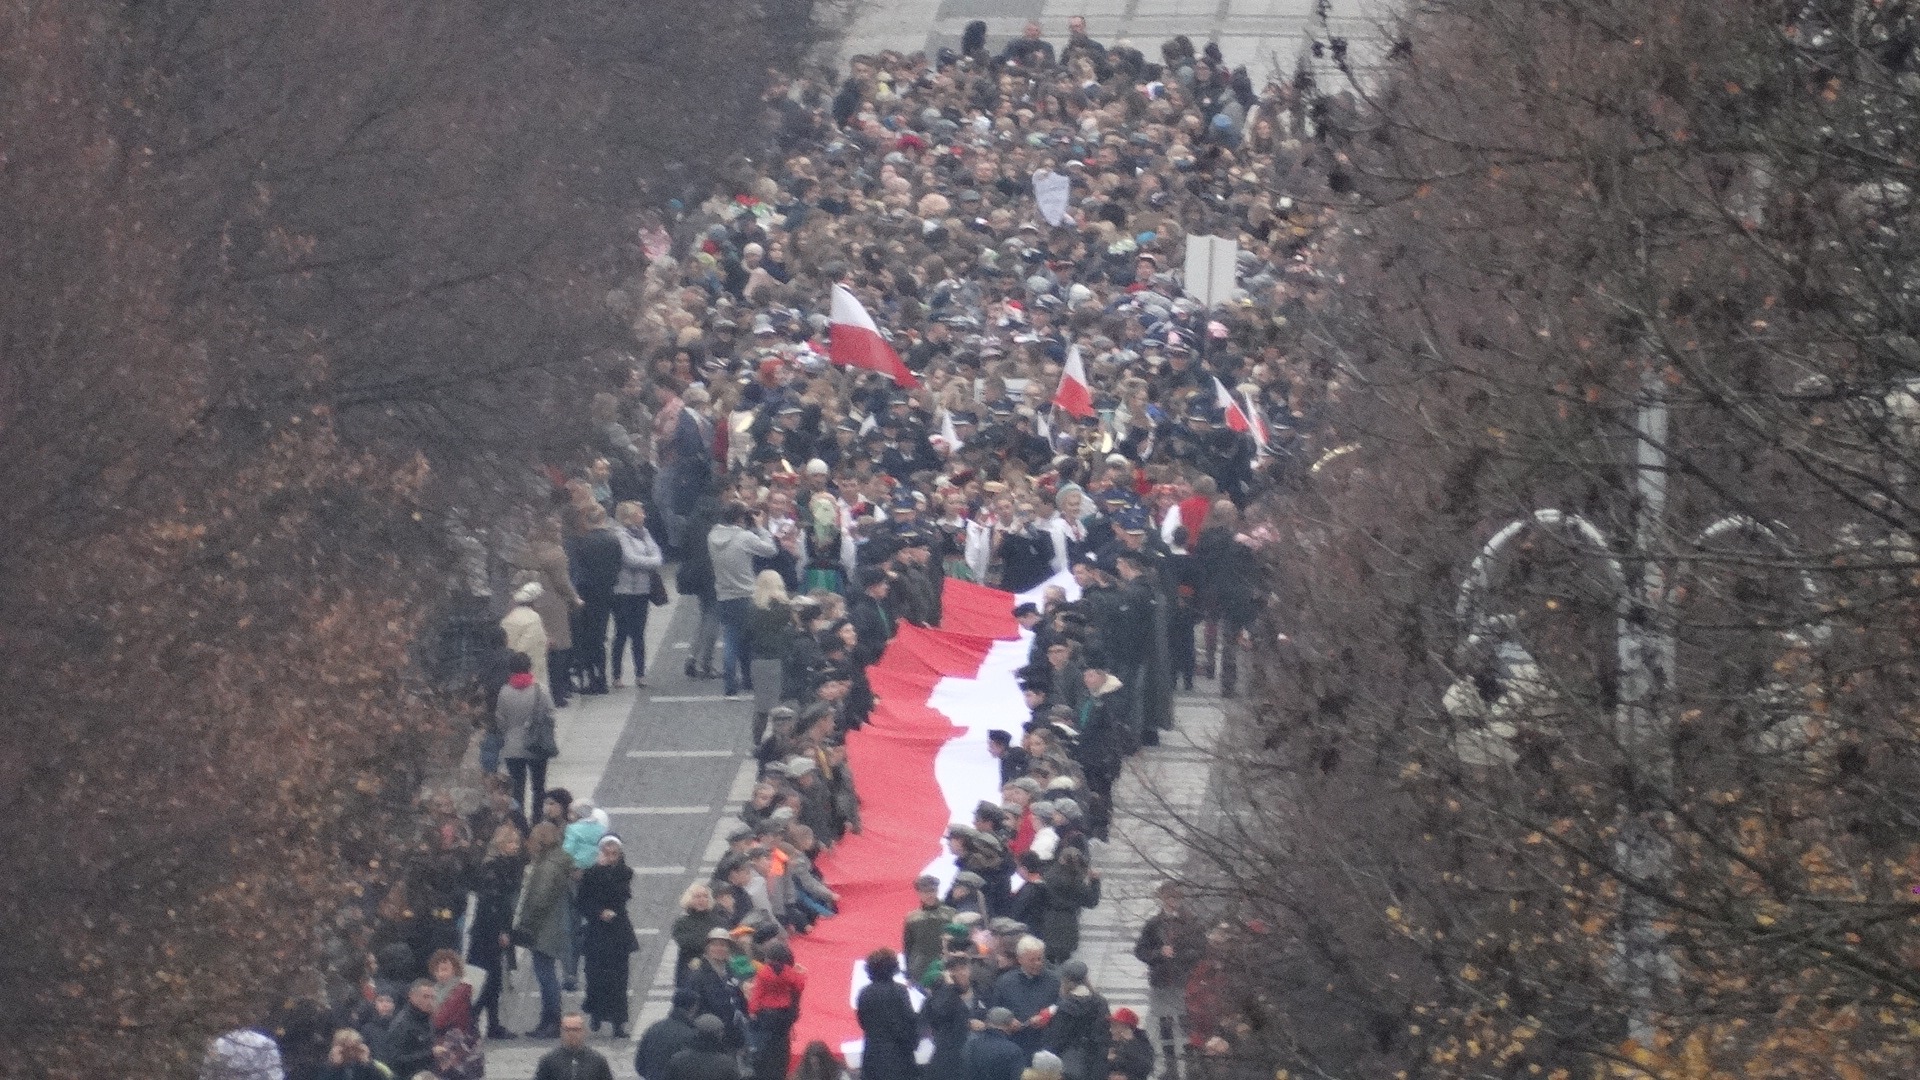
1072	396
854	341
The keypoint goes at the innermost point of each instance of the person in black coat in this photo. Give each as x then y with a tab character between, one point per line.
992	1054
708	1058
667	1037
717	990
1129	1051
886	1016
408	1045
1235	586
1079	1031
950	1012
496	890
605	889
595	556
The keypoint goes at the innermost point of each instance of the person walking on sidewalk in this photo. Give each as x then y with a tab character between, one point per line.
1171	944
732	545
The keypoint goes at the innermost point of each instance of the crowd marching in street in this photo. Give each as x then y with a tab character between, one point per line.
938	330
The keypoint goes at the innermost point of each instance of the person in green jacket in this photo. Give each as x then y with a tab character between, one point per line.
541	922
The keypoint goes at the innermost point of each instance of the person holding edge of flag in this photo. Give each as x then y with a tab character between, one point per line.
854	341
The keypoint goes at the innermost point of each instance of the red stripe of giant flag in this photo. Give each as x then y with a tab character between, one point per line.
903	809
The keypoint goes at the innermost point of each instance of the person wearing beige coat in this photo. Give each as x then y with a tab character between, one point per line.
526	631
542	559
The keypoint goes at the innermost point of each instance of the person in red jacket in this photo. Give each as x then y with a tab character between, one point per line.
773	1004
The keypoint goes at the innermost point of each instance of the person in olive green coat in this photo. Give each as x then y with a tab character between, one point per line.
541	922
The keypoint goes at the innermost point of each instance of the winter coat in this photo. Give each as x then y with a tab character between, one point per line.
732	549
776	989
690	938
992	1055
1067	894
924	938
408	1045
892	1032
770	631
706	1059
1078	1033
597	559
515	713
582	841
495	891
527	633
1024	996
547	564
607	888
561	1063
949	1016
640	559
1132	1058
542	918
659	1043
1184	934
719	995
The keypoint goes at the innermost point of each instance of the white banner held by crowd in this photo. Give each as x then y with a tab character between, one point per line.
1050	191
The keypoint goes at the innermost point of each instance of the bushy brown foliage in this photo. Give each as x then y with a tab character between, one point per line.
277	277
1568	215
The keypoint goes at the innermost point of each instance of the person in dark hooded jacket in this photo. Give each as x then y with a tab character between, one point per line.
708	1058
666	1038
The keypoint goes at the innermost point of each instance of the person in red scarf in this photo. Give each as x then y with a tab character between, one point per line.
524	717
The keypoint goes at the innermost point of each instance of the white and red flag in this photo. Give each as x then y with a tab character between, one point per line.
1253	417
1236	417
854	340
1072	394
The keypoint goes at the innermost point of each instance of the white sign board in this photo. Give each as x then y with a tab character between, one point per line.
1212	266
1050	191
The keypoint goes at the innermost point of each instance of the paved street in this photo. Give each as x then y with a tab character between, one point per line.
1265	35
670	765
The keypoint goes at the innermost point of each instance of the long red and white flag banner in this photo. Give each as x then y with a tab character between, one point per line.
920	764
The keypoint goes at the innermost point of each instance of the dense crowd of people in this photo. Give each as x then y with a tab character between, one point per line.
809	509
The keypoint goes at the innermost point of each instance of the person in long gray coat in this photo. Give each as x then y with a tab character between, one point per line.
541	922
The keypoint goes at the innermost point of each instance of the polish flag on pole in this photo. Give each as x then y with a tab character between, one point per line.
1072	394
1254	418
1236	417
854	341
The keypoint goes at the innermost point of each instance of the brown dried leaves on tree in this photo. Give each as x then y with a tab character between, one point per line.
277	276
1569	216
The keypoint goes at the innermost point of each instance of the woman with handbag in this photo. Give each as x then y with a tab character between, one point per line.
456	1045
606	887
524	715
635	590
496	890
541	922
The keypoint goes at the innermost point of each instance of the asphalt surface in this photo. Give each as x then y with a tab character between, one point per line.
668	763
